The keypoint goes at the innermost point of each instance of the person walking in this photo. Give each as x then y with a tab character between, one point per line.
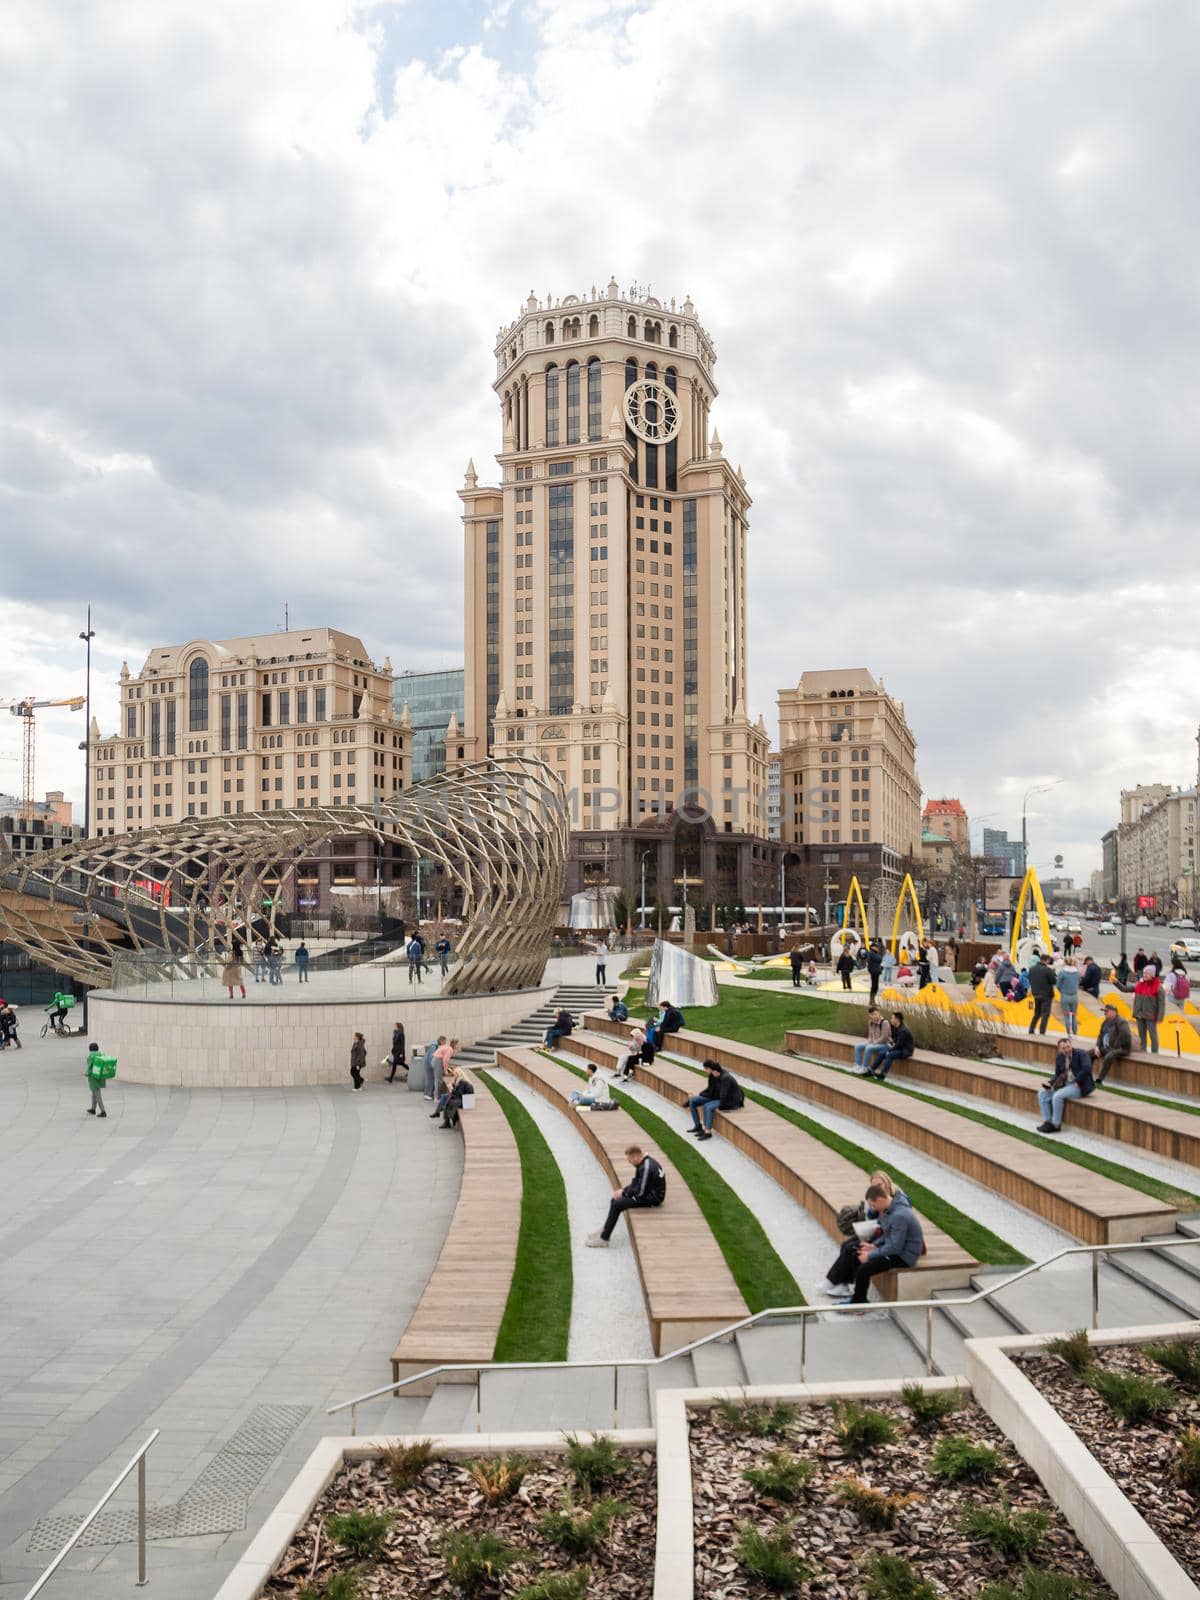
1140	959
796	962
8	1026
98	1070
647	1188
415	951
874	970
1072	1080
1147	992
396	1055
1113	1043
1068	994
601	965
260	960
233	975
443	954
1181	984
358	1060
845	966
275	962
301	959
431	1066
1041	987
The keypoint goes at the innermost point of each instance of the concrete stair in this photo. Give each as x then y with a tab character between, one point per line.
531	1030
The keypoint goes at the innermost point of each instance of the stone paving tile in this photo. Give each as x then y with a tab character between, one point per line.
201	1253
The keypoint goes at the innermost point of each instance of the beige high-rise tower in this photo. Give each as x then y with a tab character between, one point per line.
606	573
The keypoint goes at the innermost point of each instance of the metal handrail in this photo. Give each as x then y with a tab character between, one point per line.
804	1313
139	1461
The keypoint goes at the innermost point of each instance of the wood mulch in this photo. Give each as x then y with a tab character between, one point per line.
446	1497
1139	1457
830	1537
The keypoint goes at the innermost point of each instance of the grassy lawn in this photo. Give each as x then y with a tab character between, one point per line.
757	1269
537	1317
760	1018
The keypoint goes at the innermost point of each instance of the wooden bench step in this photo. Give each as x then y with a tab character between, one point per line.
1084	1204
815	1176
459	1314
1169	1133
1138	1070
688	1287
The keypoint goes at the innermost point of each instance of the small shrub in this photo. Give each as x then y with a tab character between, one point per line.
861	1430
770	1557
1133	1398
558	1586
1037	1584
1016	1535
1187	1462
782	1478
949	1034
959	1460
338	1586
498	1479
873	1507
360	1532
404	1463
593	1465
581	1531
1074	1349
763	1421
472	1561
1181	1358
929	1406
892	1578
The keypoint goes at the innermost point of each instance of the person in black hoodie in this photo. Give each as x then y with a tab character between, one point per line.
845	966
721	1093
648	1188
900	1049
1041	987
874	968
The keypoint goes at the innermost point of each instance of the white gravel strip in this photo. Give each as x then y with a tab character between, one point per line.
1020	1228
608	1311
1125	1155
798	1238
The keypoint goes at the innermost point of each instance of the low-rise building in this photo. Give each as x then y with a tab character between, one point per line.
28	831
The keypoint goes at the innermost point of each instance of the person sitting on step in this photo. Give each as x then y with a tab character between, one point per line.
669	1020
454	1103
618	1011
1072	1080
839	1281
1113	1043
647	1188
640	1050
721	1093
900	1049
596	1092
875	1046
560	1028
900	1243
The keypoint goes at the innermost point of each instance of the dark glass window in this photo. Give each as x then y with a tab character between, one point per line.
131	722
226	721
492	622
285	707
243	721
264	720
198	695
573	402
595	419
562	599
301	705
671	478
551	405
318	705
631	438
170	727
155	728
691	652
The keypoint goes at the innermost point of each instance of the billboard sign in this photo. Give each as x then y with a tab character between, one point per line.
1147	902
1000	894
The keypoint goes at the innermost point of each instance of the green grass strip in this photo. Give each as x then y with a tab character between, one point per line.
757	1269
758	1016
988	1248
1182	1198
537	1316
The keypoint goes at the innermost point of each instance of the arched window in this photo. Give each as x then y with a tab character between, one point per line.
572	402
593	327
595	419
631	327
549	333
651	372
653	333
198	695
673	337
551	404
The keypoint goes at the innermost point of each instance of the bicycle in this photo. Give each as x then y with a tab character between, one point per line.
56	1025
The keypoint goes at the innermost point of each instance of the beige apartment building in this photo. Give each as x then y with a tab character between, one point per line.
605	578
1156	848
276	722
849	790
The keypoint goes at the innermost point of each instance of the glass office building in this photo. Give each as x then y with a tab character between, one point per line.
431	698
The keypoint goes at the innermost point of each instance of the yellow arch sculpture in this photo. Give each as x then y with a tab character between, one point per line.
1028	886
854	894
909	888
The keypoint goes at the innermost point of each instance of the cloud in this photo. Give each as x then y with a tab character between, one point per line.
255	258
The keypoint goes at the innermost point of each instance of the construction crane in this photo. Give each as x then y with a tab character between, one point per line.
25	709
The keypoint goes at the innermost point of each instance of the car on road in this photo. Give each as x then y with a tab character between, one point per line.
1188	948
1181	922
1107	927
1142	922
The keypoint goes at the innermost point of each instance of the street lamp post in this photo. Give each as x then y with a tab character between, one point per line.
87	636
1038	788
645	856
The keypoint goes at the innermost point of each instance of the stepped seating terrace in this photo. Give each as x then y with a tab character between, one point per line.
1174	1134
815	1176
1088	1206
1139	1069
688	1287
459	1314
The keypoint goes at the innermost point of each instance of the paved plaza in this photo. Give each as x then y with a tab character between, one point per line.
221	1265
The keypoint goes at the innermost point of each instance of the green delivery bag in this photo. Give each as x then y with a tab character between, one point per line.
103	1067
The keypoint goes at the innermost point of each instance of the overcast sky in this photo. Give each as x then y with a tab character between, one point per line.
254	255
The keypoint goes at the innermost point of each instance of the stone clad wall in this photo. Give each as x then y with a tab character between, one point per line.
232	1044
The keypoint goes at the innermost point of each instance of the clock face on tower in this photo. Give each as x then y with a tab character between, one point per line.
651	411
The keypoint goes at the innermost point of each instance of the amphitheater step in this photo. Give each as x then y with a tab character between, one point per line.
1060	1297
401	1415
838	1347
531	1030
948	1358
551	1400
1190	1226
678	1373
718	1366
449	1409
978	1321
1159	1272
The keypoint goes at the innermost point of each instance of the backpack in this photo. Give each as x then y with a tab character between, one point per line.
1181	986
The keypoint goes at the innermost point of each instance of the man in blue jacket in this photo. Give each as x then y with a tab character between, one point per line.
1072	1080
901	1245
